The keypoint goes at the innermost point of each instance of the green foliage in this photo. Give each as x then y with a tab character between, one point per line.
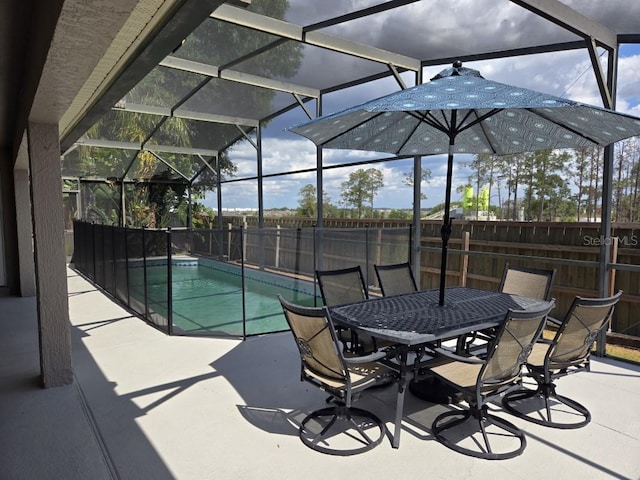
159	192
541	177
400	214
425	176
362	186
307	201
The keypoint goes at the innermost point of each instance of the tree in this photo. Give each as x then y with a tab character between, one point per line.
548	181
425	176
396	214
362	186
625	182
307	201
595	187
153	196
579	166
479	165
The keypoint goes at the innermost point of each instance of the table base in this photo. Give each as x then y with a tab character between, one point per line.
433	390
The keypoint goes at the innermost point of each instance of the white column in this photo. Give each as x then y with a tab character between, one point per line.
24	230
50	268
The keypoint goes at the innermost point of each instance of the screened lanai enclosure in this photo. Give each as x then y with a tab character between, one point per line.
204	109
228	89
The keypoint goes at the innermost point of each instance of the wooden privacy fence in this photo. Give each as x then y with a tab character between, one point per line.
478	252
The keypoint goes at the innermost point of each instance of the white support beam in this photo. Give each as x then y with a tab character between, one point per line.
140	108
95	142
570	19
207	164
92	142
601	78
190	66
171	167
240	77
263	23
180	150
269	83
337	44
184	113
289	30
214	118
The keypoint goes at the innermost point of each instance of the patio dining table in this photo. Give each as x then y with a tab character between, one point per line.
415	320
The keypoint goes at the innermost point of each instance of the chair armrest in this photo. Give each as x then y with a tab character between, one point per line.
459	358
554	321
372	357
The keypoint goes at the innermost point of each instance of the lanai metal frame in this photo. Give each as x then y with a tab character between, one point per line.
575	30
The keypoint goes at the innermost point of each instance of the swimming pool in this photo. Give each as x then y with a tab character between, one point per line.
207	296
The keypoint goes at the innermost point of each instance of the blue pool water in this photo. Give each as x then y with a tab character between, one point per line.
207	297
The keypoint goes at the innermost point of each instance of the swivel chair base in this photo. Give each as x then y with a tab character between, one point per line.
483	419
344	425
547	393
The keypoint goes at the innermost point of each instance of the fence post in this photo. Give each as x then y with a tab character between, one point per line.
93	252
378	259
612	273
113	260
277	259
464	261
314	267
366	257
244	310
126	264
612	289
169	285
144	274
243	229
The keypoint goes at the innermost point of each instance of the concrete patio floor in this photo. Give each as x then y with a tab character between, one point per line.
148	406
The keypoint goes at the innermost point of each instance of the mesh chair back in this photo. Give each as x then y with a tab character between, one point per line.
395	279
316	341
527	282
577	333
512	345
342	286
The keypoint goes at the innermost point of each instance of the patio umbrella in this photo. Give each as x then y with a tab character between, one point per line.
459	111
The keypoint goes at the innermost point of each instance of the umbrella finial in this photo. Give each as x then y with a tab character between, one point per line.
457	70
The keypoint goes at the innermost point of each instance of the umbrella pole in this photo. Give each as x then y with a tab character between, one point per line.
445	231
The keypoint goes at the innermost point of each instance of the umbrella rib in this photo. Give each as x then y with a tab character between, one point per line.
420	120
430	120
562	125
351	129
478	120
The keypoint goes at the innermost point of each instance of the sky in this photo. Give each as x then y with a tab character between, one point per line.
564	74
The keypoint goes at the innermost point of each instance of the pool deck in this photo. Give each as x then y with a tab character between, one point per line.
148	406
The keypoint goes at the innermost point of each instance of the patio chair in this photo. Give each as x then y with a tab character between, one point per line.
481	381
527	282
516	280
568	352
395	279
325	366
346	285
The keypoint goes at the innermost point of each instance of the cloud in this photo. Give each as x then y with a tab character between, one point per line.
468	27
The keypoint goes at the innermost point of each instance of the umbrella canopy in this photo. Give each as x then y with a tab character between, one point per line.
459	111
